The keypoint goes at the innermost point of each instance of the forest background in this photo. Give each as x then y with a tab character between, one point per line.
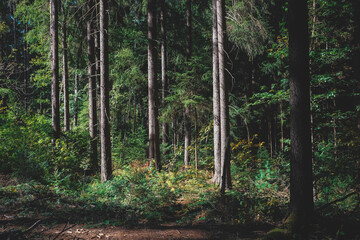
259	114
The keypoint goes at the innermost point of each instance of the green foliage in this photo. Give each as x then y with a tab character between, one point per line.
247	27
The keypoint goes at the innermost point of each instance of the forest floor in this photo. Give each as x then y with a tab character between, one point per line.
30	211
15	223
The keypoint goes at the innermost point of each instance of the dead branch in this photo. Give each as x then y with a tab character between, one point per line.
335	201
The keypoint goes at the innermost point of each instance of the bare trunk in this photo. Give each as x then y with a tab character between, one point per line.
335	132
196	142
164	89
281	127
174	137
106	168
134	116
187	125
76	86
187	136
65	74
301	189
97	53
54	55
224	107
270	137
92	86
216	98
154	143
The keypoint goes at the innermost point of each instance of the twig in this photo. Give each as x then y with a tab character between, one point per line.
335	201
64	229
31	227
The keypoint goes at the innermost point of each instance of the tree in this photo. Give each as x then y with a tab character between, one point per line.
301	189
92	83
187	123
216	98
356	60
224	99
164	81
65	75
54	55
105	138
154	142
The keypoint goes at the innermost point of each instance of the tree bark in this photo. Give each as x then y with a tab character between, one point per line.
164	89
65	74
187	108
196	141
92	85
216	98
106	168
54	55
224	106
356	64
154	142
301	191
76	85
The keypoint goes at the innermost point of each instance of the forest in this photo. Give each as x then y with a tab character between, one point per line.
179	119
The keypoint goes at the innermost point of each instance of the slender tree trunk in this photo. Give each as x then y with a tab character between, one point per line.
106	165
270	137
281	126
26	68
224	105
76	85
187	127
134	116
187	108
54	55
174	137
92	85
97	53
216	98
196	141
154	142
301	189
165	128
65	74
356	64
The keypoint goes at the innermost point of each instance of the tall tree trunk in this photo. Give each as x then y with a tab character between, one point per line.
164	89
281	126
224	98
187	108
301	190
216	97
54	55
65	75
106	168
196	141
76	85
154	142
97	53
92	85
356	64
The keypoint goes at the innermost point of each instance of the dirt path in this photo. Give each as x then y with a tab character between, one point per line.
19	229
